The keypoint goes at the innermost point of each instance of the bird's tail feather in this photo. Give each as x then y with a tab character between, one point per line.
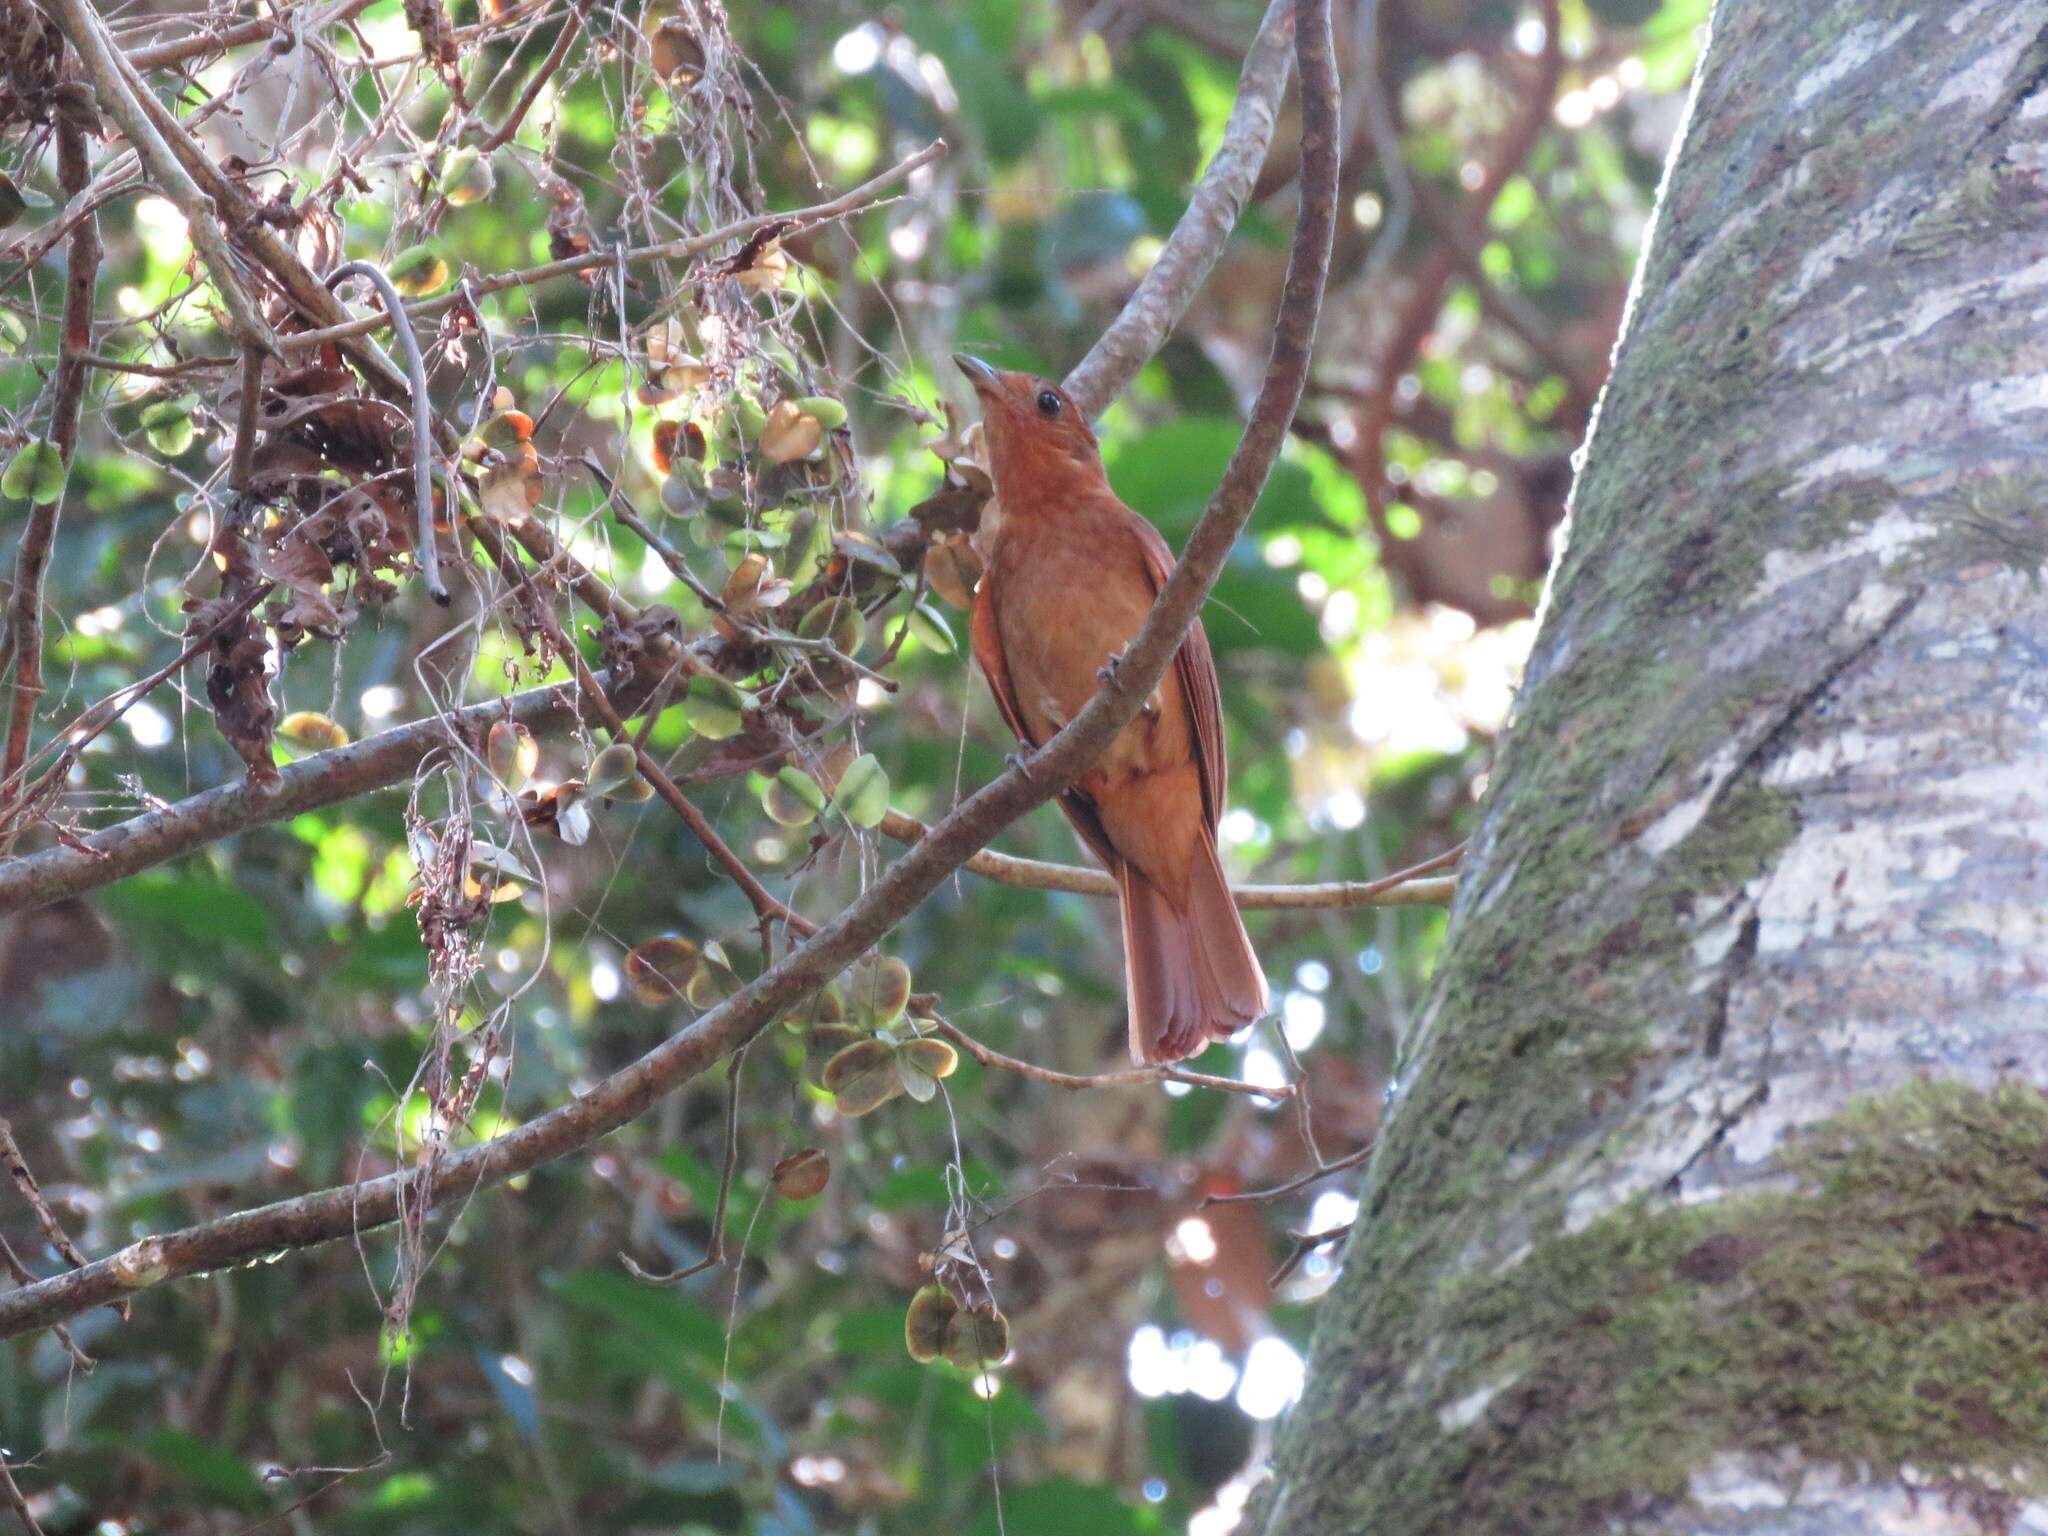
1190	970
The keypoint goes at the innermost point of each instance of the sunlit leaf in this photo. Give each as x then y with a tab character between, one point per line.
714	707
863	792
511	753
36	473
660	969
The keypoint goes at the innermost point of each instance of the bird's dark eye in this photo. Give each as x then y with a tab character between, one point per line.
1049	403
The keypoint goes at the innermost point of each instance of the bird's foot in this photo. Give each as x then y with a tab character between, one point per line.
1107	671
1020	762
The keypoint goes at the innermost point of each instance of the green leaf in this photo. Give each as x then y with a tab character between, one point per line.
37	473
169	424
714	707
615	770
792	798
863	792
219	1474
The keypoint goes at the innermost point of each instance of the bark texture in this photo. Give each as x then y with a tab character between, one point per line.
1716	1194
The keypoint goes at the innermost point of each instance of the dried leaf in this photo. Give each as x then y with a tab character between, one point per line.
660	969
862	1078
788	434
802	1175
511	753
928	1322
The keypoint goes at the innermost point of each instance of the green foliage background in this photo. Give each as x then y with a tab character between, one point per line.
240	1025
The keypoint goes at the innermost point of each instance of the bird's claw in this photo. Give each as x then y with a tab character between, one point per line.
1018	761
1107	671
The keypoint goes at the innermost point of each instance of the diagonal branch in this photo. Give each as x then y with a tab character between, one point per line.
110	83
25	608
1169	286
629	1092
1403	888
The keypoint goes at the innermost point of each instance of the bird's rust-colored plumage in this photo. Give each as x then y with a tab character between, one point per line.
1070	574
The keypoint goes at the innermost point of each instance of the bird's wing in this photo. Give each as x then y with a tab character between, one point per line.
1195	669
988	652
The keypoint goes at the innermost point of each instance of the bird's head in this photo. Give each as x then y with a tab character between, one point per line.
1036	433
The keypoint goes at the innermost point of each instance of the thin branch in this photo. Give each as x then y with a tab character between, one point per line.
110	82
25	610
243	464
714	1246
629	1092
592	695
21	1274
1403	888
25	1182
95	721
1128	1077
1169	286
572	28
686	249
1315	1175
11	1492
176	51
427	552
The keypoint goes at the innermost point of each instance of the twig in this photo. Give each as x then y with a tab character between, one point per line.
25	1181
1128	1077
427	552
110	81
714	1246
93	722
1321	1171
12	1492
592	695
629	1092
1403	888
686	249
1169	286
1305	1243
1425	299
25	613
21	1274
243	464
572	28
161	55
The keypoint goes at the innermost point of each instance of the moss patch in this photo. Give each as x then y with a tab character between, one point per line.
1889	1311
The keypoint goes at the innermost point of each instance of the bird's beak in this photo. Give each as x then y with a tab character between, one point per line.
979	374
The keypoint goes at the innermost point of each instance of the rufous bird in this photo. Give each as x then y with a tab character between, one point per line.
1069	574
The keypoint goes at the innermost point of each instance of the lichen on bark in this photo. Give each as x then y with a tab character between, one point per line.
1710	1200
1887	1310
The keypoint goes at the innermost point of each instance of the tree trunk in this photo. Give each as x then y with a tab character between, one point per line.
1716	1198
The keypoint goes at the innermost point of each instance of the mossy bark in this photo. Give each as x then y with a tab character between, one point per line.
1715	1197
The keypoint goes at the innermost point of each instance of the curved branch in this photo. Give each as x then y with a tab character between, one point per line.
1151	313
629	1092
685	249
1403	888
82	29
427	554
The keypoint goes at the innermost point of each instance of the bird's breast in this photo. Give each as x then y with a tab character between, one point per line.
1064	608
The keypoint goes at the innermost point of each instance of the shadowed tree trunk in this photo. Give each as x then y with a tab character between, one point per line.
1716	1196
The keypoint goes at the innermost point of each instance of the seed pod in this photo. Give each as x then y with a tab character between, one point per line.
824	410
511	753
977	1338
824	1042
928	1322
312	731
882	990
862	1078
801	1175
660	969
